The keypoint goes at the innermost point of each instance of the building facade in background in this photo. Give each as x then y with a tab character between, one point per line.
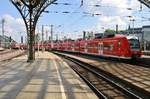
5	41
143	34
146	37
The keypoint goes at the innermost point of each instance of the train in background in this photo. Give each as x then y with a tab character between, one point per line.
116	46
46	46
119	46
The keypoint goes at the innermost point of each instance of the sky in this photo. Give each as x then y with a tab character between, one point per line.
81	18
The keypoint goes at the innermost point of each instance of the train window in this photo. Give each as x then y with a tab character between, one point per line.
89	46
134	44
111	47
96	47
108	47
105	47
86	46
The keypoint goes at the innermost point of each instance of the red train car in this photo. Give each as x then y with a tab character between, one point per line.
18	46
118	46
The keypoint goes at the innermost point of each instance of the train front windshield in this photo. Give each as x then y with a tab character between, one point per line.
134	44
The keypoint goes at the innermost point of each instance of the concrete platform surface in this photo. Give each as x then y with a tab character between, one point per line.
1	49
49	77
145	56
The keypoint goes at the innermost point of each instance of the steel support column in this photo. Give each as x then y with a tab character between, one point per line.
30	11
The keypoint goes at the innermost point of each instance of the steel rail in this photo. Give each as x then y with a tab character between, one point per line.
15	56
128	90
97	92
136	62
6	52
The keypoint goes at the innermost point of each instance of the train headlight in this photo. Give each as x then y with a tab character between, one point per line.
119	43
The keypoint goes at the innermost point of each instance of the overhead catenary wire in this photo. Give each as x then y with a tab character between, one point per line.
85	14
96	5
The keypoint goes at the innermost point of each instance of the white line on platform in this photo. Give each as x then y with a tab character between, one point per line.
61	84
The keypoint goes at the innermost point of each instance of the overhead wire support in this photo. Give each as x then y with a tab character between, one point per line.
30	11
81	3
141	8
145	2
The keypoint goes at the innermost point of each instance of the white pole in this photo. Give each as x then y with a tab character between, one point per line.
38	47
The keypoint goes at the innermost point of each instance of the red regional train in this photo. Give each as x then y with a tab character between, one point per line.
118	46
36	46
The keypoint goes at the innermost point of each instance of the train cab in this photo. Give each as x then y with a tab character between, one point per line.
120	46
116	47
134	46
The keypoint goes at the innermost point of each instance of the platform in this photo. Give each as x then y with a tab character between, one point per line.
145	56
49	77
1	49
147	53
137	75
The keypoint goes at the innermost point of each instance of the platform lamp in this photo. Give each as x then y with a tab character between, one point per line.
30	11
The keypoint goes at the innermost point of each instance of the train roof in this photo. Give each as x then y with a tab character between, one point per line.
113	37
124	36
120	36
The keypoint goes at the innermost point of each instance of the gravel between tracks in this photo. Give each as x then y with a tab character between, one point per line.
137	75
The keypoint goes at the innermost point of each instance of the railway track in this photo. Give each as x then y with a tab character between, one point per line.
143	62
104	83
11	55
6	52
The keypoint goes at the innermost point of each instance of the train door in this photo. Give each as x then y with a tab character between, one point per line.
85	48
100	48
73	46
